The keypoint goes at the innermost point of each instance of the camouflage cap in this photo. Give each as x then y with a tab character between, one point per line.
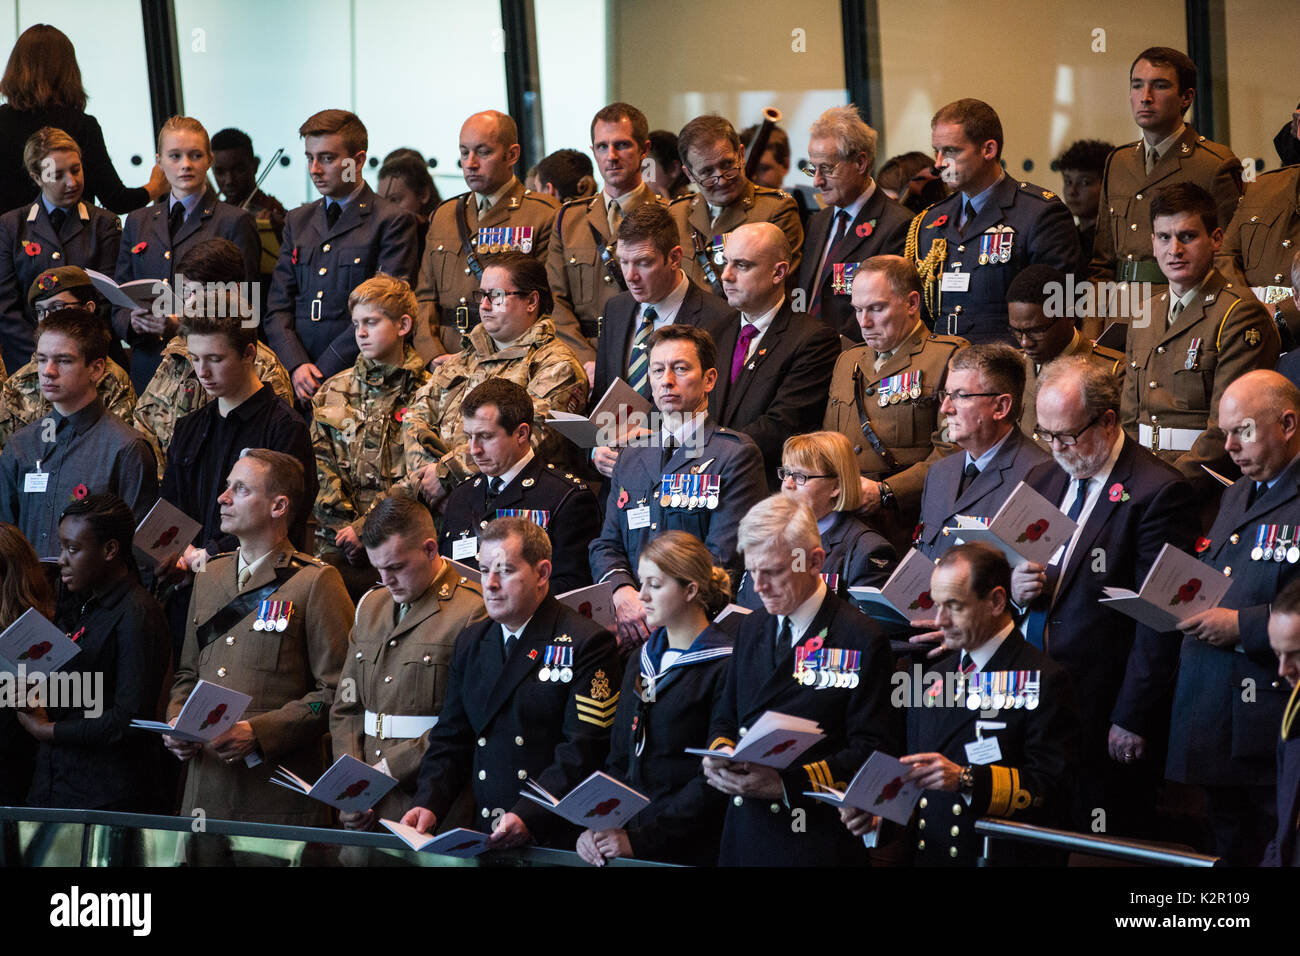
53	281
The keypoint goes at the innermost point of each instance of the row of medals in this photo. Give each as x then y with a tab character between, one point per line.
824	677
677	500
978	701
893	398
1279	554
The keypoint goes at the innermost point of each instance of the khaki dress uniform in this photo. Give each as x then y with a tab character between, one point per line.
705	240
1261	241
1099	355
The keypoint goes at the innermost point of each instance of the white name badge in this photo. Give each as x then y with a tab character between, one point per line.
955	282
984	751
462	548
34	482
638	518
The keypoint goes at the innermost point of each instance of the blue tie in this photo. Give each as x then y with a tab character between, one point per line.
1036	622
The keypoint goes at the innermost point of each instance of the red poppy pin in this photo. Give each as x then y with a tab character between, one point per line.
938	223
294	257
78	635
622	497
80	492
32	248
139	247
1187	592
1117	492
866	228
916	532
1202	545
532	655
399	415
816	643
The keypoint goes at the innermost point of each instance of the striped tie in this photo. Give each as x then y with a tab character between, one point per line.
638	372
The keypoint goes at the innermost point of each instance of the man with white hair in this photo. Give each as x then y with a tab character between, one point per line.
858	220
807	654
1128	504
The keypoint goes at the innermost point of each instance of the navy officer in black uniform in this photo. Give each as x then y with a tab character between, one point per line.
329	248
804	629
687	475
970	246
508	716
515	481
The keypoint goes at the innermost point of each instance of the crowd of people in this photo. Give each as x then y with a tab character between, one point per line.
358	402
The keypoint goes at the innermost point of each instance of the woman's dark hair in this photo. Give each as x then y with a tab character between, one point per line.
109	517
42	72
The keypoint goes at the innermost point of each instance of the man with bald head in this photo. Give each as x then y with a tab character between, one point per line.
497	214
1226	708
774	364
1128	505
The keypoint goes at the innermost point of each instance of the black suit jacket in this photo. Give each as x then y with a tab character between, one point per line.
783	388
885	223
1122	670
699	308
500	725
1284	850
857	721
989	491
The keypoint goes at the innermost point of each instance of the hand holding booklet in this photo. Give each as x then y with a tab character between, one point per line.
349	785
35	645
595	601
164	531
878	787
598	803
775	740
136	294
209	712
459	842
1027	527
620	408
905	597
1176	587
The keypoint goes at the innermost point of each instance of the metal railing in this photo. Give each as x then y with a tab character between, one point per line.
1117	848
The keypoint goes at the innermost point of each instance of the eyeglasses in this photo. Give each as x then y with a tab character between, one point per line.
1035	334
725	171
1066	439
498	296
943	395
826	171
798	477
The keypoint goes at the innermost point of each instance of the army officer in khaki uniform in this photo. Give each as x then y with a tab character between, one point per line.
1261	241
1192	341
290	674
884	393
395	674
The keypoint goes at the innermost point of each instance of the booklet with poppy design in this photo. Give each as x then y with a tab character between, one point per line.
349	785
35	645
905	597
595	601
1027	527
598	803
775	740
459	842
878	787
621	407
209	712
165	531
136	294
1176	587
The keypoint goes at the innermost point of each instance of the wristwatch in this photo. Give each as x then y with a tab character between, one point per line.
887	499
966	780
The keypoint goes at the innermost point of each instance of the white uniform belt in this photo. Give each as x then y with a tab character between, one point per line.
396	727
1169	439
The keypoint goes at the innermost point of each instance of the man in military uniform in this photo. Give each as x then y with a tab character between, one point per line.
498	214
1227	706
808	654
515	340
884	394
291	674
1043	337
581	265
531	696
1191	341
713	159
357	417
330	247
514	480
970	246
858	220
396	669
1162	83
174	391
1018	762
1260	243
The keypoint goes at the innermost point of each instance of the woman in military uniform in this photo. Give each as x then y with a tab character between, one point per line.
667	704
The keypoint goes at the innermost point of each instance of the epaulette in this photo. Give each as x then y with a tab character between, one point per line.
1110	355
1038	192
1217	150
542	198
306	560
567	478
356	615
689	197
224	554
761	190
728	433
455	198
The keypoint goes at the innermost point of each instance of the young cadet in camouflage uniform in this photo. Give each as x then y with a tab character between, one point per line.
356	428
514	340
174	391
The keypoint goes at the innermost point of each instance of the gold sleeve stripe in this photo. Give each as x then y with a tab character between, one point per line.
720	742
819	773
1000	797
609	722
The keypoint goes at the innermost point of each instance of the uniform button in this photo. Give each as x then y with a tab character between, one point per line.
388	679
482	524
1278	277
738	801
522	775
1134	364
356	261
1112	210
1227	572
167	254
920	825
923	803
440	248
230	640
482	774
485	813
654	526
325	248
957	310
519	741
1234	538
775	808
358	655
1160	350
320	293
1152	385
961	248
393	642
955	831
379	753
952	852
573	260
857	449
743	731
1254	218
920	844
56	255
608	279
1133	227
427	659
323	270
1139	196
956	809
467	273
1154	419
482	741
221	672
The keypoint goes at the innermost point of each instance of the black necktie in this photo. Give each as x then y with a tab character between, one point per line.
785	638
175	219
1080	496
506	644
493	489
969	474
670	446
332	212
1256	489
57	218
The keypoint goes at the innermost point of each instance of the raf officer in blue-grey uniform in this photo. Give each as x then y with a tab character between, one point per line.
970	246
1227	703
330	247
688	474
514	481
155	238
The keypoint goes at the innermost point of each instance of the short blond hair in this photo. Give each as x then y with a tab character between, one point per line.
184	124
391	295
779	520
827	453
46	140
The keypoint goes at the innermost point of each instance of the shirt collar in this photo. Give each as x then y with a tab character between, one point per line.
825	524
984	653
506	633
802	617
903	341
518	466
49	206
688	428
495	198
1166	144
673	300
83	418
761	322
242	564
346	200
983	460
189	202
623	201
982	200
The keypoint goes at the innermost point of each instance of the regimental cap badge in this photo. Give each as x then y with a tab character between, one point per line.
1252	337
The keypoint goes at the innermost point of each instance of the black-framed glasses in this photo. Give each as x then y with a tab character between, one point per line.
1066	439
1036	333
498	296
798	477
724	171
943	395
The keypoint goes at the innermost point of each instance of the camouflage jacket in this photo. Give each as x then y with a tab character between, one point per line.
21	402
538	361
174	392
356	433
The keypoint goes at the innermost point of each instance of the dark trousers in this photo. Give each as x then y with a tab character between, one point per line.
1243	819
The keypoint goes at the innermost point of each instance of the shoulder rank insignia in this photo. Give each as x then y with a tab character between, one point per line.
1048	194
